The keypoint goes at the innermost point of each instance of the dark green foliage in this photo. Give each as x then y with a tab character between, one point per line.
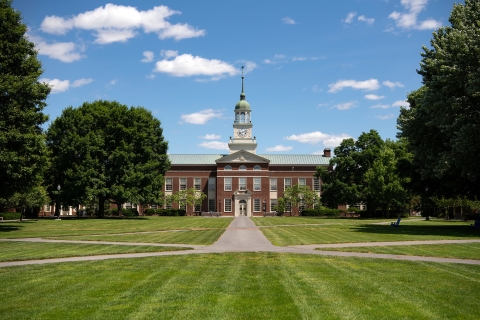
171	212
381	214
11	215
149	212
442	124
106	151
321	213
23	155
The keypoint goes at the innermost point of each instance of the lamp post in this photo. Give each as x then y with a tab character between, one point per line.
264	207
58	206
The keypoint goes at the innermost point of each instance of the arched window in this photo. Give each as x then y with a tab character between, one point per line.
227	167
247	117
242	167
237	117
257	167
242	117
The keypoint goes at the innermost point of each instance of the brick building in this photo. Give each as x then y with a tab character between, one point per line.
242	182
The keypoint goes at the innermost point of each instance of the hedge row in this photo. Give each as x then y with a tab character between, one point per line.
165	212
10	215
320	213
125	212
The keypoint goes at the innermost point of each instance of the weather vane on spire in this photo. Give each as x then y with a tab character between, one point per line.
242	71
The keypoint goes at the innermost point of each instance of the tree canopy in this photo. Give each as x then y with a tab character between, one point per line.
23	154
442	123
106	151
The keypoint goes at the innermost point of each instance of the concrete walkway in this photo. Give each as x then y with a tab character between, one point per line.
243	236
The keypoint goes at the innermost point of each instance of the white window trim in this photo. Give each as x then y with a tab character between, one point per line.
259	184
225	184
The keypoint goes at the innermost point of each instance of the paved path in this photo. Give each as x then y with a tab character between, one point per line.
242	235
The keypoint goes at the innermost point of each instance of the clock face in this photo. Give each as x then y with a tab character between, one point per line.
242	132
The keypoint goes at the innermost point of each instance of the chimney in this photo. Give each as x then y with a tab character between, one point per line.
327	152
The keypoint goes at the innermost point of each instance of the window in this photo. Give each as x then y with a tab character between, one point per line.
211	183
237	117
47	208
211	205
301	205
288	206
273	184
316	184
183	183
183	206
242	117
228	184
302	182
256	205
228	167
242	167
154	207
168	205
288	183
197	208
198	184
228	205
128	205
242	182
168	184
257	184
257	167
273	203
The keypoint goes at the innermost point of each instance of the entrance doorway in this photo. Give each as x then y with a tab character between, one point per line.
242	206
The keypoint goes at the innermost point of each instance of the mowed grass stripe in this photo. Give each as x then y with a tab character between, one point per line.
454	250
198	237
77	227
18	251
242	286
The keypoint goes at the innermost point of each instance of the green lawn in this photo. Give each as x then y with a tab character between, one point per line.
80	227
456	251
16	251
241	286
200	237
358	230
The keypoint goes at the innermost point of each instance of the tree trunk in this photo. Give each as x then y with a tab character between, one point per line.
101	207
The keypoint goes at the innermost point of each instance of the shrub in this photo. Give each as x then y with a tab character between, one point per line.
170	212
10	215
129	212
112	212
149	212
320	213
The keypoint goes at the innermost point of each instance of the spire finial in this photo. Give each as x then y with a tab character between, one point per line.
242	79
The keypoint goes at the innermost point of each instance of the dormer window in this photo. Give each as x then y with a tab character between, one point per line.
257	167
242	167
227	167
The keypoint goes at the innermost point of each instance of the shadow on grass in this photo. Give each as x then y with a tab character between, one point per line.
426	230
9	228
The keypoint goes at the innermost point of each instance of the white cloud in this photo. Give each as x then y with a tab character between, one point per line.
316	137
401	103
113	82
169	53
373	97
380	106
63	85
150	76
408	19
386	117
316	88
268	61
214	145
148	56
249	65
369	21
392	85
280	148
201	117
367	85
81	82
211	137
350	17
63	51
279	56
186	65
288	20
117	23
345	105
304	58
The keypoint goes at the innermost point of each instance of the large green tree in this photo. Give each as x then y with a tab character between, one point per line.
345	183
442	123
104	150
23	155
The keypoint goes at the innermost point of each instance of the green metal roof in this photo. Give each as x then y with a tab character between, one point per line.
275	159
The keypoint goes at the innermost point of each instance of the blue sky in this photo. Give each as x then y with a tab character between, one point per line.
316	71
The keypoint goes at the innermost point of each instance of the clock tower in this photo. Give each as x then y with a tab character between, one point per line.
242	127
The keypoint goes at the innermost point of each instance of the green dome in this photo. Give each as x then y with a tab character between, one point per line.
242	105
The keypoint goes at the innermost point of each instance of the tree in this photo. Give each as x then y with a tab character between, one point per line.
34	198
297	195
23	155
189	198
346	183
441	125
104	150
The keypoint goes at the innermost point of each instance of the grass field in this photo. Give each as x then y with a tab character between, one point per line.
16	251
295	231
456	251
241	286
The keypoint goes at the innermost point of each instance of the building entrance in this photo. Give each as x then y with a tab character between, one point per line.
242	208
